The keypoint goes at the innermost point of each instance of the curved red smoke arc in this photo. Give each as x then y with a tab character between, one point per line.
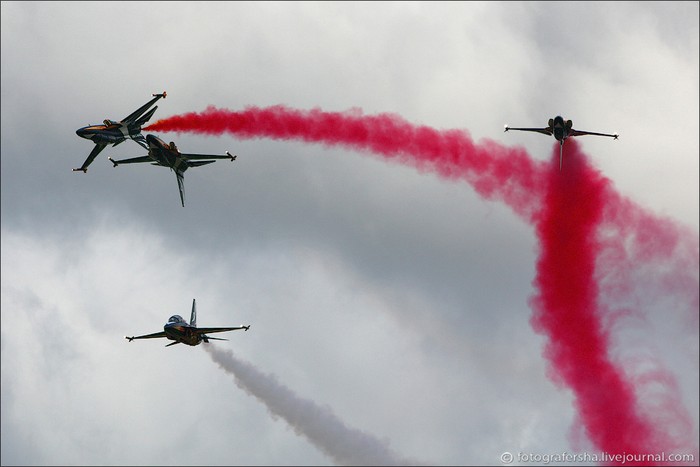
569	210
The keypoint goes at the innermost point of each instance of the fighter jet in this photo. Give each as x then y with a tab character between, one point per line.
111	132
168	155
177	329
561	130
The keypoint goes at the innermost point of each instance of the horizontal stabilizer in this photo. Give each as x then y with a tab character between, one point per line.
214	338
198	163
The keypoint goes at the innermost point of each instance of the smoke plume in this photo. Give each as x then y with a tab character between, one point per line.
318	424
571	311
604	262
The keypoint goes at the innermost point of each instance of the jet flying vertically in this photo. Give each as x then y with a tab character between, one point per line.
177	329
168	155
111	132
561	129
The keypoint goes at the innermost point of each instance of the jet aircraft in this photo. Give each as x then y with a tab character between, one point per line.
111	132
561	129
177	329
168	155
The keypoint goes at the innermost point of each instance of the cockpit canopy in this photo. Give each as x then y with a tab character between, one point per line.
175	319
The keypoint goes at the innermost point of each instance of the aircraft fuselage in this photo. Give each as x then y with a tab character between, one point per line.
165	154
112	133
560	128
182	332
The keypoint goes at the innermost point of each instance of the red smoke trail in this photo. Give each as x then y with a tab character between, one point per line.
567	309
585	241
495	171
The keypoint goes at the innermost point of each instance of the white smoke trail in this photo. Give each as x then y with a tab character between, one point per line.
345	446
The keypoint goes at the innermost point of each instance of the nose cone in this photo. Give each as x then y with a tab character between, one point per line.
84	133
152	140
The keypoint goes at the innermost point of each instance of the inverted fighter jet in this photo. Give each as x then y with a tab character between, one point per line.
111	132
177	329
561	129
168	155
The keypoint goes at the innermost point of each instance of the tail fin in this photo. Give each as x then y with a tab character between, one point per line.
145	118
193	317
180	175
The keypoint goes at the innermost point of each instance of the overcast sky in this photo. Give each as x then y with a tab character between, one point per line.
393	300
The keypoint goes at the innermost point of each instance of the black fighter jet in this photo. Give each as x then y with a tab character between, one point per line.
561	129
177	329
168	155
111	132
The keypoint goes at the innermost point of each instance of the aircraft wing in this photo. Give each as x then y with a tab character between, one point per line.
155	335
137	113
197	157
91	157
213	330
583	133
545	131
133	160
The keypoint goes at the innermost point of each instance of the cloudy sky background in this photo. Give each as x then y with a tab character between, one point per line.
397	300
